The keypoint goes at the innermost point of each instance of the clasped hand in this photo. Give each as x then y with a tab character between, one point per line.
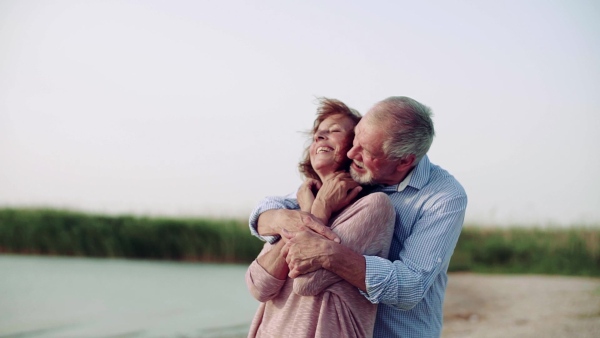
333	194
305	251
308	247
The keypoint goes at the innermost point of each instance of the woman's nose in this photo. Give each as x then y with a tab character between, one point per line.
320	136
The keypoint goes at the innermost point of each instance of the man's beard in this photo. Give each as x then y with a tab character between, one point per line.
364	179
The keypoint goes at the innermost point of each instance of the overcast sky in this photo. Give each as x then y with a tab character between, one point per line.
198	107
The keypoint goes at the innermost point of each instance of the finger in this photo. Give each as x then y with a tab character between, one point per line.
309	182
353	193
344	176
314	184
310	223
287	234
343	179
285	250
349	182
324	231
341	174
293	273
307	185
296	269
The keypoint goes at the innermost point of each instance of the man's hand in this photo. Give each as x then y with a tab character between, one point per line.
306	193
305	251
274	221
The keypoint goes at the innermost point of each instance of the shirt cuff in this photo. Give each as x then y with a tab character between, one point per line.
393	283
378	278
254	224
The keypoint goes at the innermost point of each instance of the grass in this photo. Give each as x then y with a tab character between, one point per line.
59	232
571	251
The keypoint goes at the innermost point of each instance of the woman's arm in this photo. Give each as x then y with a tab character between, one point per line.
273	262
267	274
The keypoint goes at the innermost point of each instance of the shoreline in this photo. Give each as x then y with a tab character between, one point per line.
490	306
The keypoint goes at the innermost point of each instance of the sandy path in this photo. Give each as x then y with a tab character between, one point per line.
489	306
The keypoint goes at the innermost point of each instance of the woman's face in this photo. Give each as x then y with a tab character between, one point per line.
331	143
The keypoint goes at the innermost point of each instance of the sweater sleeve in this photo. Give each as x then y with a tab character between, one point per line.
262	285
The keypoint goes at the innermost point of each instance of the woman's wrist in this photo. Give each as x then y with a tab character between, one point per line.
321	211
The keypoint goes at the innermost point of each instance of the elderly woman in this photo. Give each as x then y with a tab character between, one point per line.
321	304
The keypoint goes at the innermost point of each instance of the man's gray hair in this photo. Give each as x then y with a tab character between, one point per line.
408	127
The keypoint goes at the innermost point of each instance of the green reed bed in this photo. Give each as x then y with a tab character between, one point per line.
58	232
568	251
565	251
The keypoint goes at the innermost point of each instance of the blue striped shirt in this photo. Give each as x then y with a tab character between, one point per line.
410	285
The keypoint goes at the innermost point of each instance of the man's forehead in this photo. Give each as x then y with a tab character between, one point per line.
369	136
366	127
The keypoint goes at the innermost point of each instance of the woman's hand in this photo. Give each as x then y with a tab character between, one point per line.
306	193
337	191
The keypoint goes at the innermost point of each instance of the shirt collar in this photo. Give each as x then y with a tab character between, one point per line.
417	178
421	173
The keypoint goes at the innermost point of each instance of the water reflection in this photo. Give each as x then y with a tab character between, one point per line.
80	297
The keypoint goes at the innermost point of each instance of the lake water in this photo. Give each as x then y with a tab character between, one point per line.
82	297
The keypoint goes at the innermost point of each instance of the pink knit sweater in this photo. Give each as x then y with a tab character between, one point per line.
321	304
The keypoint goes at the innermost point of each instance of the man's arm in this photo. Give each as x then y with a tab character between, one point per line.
425	254
270	203
336	192
401	283
274	214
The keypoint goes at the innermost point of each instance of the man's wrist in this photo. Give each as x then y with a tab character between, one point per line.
266	221
332	251
347	264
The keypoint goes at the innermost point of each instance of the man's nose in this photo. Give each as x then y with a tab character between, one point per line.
352	153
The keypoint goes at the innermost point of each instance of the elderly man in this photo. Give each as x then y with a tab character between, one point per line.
389	155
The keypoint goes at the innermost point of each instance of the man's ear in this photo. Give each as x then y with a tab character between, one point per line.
406	163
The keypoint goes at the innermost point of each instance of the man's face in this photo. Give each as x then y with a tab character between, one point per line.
369	163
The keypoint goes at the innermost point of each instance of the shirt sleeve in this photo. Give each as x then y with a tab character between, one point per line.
366	227
270	203
425	253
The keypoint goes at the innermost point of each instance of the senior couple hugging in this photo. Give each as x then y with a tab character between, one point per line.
362	248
